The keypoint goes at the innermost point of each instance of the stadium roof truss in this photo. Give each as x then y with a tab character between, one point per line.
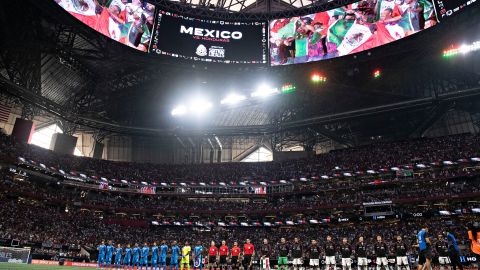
247	9
243	5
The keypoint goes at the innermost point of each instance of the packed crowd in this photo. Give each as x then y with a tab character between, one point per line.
51	253
326	199
55	214
37	222
374	156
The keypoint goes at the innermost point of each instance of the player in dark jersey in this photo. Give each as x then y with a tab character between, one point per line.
234	256
454	251
381	251
223	251
283	251
297	253
401	254
313	253
361	253
330	251
212	255
441	247
346	252
265	253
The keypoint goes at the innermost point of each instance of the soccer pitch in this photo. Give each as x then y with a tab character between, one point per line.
14	266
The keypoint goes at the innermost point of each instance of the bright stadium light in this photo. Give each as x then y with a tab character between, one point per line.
179	110
199	106
318	78
464	49
288	88
233	99
264	90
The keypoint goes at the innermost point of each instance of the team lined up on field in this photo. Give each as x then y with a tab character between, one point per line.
224	257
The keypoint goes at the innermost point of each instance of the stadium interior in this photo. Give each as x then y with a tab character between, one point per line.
118	127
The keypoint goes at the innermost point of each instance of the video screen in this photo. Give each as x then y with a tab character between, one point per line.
209	40
346	30
127	21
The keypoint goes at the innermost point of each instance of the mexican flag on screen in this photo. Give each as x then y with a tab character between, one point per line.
287	31
384	4
347	35
399	7
324	17
410	20
428	9
402	27
125	33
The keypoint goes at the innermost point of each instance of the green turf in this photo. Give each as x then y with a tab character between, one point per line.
14	266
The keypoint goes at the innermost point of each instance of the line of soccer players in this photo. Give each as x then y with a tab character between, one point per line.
137	258
446	247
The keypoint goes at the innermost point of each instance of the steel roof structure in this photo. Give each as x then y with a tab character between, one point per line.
235	10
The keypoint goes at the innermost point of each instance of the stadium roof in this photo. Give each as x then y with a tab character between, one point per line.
247	10
247	5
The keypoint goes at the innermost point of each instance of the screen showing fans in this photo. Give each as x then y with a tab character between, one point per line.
127	21
346	30
210	41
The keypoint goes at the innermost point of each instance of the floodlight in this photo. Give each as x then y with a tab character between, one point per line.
264	90
233	99
464	49
199	106
179	110
318	78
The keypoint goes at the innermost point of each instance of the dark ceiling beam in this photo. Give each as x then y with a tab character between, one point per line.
247	152
39	126
223	14
267	6
433	115
59	111
332	136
